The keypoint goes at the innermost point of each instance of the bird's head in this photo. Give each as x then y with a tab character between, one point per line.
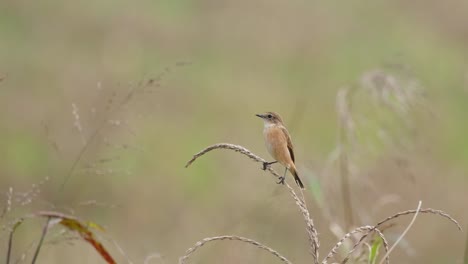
271	118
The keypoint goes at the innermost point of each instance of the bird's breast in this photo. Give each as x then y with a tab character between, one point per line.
275	142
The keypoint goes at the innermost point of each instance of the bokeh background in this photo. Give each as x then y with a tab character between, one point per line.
132	89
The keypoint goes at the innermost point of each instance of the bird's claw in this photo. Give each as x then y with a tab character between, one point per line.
281	180
267	165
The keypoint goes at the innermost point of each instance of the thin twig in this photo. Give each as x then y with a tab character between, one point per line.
202	242
404	232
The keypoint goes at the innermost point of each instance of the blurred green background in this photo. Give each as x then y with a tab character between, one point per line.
199	71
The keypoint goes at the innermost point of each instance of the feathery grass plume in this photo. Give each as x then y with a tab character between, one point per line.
310	227
259	245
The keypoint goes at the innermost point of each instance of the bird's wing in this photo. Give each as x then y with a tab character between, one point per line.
290	145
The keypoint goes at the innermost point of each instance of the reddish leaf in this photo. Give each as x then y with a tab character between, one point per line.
74	224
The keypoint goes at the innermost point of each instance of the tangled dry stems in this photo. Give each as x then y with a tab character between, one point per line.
310	227
363	229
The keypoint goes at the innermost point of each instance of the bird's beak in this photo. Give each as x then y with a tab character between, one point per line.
259	115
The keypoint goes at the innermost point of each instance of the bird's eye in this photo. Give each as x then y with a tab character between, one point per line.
269	116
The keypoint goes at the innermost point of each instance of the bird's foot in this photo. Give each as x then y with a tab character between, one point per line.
267	165
281	180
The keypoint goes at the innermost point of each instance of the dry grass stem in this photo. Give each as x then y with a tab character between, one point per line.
236	148
41	240
312	233
202	242
310	227
422	211
17	223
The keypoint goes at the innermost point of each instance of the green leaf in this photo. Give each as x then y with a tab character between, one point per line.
374	253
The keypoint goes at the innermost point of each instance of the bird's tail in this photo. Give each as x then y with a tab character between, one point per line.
293	171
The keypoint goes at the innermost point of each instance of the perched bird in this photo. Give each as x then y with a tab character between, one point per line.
279	145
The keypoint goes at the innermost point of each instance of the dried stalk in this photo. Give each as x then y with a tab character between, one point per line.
202	242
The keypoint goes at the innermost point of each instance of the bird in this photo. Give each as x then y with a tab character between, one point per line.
279	145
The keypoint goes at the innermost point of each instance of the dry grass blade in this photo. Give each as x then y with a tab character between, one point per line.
236	148
311	230
202	242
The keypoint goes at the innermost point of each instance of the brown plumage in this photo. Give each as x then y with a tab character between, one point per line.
279	144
